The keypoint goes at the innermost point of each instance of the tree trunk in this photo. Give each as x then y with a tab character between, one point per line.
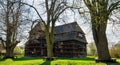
99	35
50	51
9	53
49	44
100	12
102	45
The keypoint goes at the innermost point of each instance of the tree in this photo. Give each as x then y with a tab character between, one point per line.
11	21
54	10
18	51
100	11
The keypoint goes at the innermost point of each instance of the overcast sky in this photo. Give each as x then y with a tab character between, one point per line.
113	33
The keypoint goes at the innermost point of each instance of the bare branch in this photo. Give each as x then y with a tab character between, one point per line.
33	8
114	6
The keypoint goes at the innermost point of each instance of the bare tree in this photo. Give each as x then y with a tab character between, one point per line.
100	12
10	25
53	10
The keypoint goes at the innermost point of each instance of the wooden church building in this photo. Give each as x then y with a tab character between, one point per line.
69	41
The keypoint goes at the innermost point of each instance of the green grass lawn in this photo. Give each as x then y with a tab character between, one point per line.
58	61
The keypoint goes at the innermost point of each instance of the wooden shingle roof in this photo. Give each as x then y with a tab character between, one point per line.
70	31
70	27
64	32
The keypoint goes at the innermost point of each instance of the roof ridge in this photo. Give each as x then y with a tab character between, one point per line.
66	24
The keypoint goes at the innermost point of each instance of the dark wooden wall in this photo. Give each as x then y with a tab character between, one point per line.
61	49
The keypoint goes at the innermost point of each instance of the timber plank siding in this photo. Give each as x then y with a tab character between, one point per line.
69	41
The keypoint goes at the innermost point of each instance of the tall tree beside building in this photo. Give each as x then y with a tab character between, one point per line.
10	25
54	9
100	11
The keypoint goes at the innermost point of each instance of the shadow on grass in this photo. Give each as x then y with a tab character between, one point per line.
31	58
117	63
25	59
46	63
84	59
110	62
2	59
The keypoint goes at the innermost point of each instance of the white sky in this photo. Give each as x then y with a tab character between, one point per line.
113	37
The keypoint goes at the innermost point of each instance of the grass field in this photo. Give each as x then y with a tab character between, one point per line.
58	61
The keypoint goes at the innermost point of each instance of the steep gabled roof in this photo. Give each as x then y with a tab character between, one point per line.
70	31
64	32
70	27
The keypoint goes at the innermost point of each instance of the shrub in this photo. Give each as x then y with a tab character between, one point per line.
92	51
115	51
18	51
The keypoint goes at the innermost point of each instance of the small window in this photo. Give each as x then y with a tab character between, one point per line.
80	35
